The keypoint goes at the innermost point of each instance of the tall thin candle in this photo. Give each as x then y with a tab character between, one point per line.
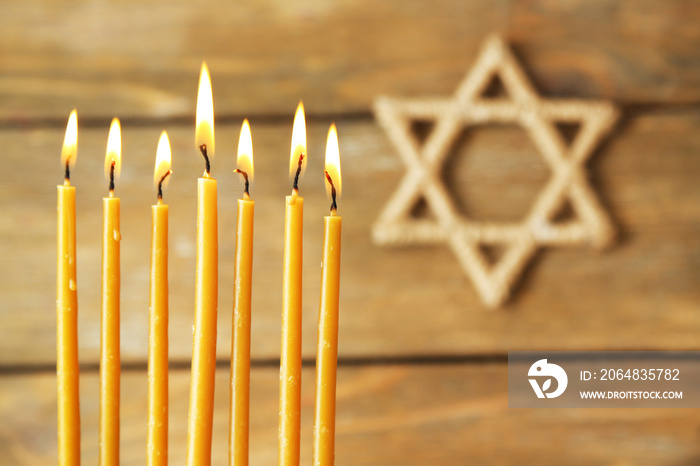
110	370
290	358
157	444
201	409
240	344
327	350
67	368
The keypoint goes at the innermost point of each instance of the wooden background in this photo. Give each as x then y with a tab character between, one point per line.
422	375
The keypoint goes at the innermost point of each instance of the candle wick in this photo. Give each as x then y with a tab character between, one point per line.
246	192
111	177
160	186
295	187
66	178
207	167
334	205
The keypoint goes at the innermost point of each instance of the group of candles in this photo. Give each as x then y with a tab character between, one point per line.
201	405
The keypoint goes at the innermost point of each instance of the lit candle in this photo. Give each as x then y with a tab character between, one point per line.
109	323
240	344
67	368
201	409
290	357
327	350
157	445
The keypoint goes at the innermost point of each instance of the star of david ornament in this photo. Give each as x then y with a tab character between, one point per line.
468	108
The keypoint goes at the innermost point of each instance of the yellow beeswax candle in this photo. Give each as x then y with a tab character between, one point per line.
240	344
157	442
109	323
67	367
201	408
327	350
290	357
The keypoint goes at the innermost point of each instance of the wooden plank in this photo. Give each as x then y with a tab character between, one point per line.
441	415
142	58
139	58
618	49
644	292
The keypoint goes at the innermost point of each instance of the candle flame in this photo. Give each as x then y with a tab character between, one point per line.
163	158
333	161
204	133
114	149
70	142
298	142
245	150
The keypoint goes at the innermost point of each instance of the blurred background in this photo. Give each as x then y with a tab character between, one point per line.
422	374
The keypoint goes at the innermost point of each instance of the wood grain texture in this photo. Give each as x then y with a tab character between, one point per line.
387	415
141	58
619	49
643	293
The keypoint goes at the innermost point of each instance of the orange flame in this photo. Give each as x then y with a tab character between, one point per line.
163	158
245	150
298	141
114	149
333	161
69	153
204	133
